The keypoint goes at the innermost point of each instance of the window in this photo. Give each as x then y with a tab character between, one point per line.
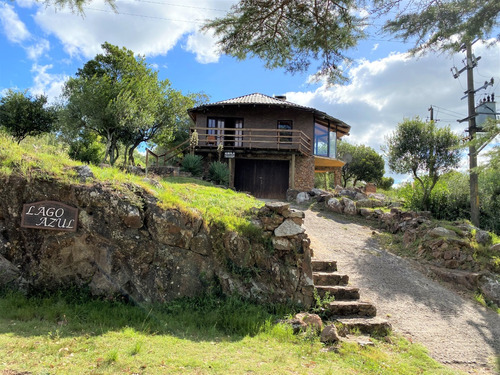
325	140
226	131
284	136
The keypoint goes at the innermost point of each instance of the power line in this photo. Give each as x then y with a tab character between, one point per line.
144	16
179	5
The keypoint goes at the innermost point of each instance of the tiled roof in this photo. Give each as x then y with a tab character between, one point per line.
257	98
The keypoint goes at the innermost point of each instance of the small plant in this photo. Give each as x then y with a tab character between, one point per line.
112	356
218	173
136	348
192	164
321	302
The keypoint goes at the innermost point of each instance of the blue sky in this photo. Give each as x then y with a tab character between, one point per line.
42	46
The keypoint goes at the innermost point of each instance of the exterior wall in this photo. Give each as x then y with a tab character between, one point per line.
263	117
304	173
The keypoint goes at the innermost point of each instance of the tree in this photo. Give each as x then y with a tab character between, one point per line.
118	97
291	33
23	115
364	164
442	25
425	151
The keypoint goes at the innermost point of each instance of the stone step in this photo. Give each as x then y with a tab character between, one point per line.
339	292
339	309
324	265
368	326
329	278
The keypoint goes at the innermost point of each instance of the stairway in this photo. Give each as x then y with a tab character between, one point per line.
347	308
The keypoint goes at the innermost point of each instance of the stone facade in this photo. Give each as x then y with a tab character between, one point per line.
304	173
126	244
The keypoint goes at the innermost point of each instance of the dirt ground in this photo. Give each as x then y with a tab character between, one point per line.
456	330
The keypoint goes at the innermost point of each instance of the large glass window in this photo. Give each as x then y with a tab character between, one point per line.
320	140
325	141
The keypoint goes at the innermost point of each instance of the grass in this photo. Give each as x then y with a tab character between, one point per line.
67	335
45	158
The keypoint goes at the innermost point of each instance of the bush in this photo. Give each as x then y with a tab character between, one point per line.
218	173
192	164
385	183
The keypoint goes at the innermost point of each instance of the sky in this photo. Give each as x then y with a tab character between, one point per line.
42	46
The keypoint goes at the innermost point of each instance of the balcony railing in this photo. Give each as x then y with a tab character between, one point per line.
247	138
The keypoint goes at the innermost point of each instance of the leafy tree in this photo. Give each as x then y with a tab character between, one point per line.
442	25
385	183
364	164
291	33
118	97
23	115
425	151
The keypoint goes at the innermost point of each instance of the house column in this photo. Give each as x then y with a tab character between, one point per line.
292	172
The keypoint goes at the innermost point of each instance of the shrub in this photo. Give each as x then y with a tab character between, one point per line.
192	164
385	183
218	173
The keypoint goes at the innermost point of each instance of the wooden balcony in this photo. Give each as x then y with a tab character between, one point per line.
253	139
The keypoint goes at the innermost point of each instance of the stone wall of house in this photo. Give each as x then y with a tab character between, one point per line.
126	244
304	173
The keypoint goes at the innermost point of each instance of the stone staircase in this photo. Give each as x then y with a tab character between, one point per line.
347	308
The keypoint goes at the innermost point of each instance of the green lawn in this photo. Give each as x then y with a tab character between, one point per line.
71	335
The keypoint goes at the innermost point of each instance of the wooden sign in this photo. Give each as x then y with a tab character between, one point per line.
49	215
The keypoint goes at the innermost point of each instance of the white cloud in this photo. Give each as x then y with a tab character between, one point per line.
203	45
150	29
38	49
47	83
13	27
375	47
381	93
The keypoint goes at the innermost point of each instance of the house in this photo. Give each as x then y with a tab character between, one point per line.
270	144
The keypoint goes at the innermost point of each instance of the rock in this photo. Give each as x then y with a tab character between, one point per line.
470	280
377	196
495	248
490	288
278	207
365	212
349	206
330	335
335	205
8	272
83	172
280	243
132	217
152	182
310	320
294	214
371	203
288	229
303	197
442	232
316	192
359	196
483	237
348	193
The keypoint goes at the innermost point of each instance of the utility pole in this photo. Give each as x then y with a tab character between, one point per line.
431	110
474	184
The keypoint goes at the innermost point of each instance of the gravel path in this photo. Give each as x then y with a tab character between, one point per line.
455	330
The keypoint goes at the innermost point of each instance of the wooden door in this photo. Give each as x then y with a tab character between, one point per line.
262	178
